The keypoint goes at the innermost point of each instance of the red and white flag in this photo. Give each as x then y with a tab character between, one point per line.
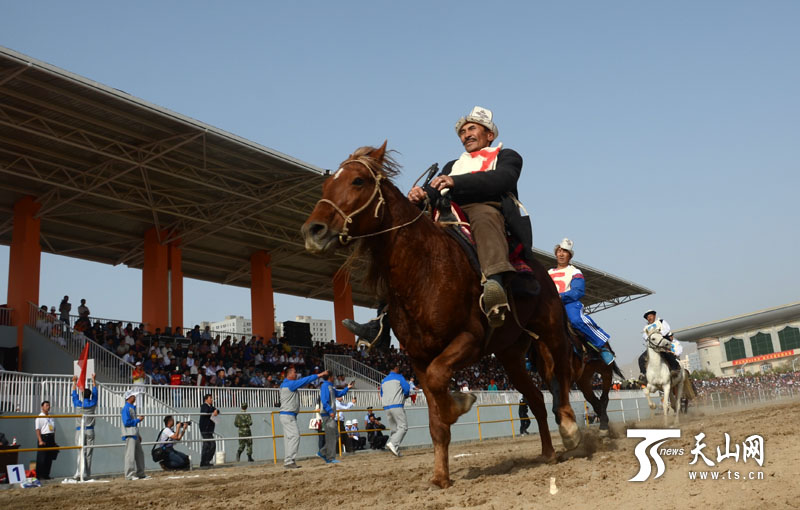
82	364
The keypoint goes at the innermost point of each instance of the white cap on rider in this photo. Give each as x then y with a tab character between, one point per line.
478	115
565	245
648	312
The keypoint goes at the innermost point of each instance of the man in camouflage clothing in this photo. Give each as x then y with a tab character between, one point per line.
243	422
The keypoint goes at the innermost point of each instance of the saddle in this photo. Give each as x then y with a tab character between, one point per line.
457	225
583	349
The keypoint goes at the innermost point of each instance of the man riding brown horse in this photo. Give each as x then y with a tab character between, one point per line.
435	299
480	180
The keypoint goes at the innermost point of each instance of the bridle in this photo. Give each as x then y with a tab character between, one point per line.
661	345
344	237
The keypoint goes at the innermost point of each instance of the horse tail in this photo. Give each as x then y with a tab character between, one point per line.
689	391
616	370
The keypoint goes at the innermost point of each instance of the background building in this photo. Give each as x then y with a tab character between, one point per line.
321	329
231	324
755	342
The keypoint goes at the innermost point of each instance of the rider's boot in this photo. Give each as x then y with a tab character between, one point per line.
494	300
369	331
606	355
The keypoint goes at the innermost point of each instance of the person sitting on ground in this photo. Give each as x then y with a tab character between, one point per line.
173	459
571	288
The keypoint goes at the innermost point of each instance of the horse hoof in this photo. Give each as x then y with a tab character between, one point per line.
552	458
570	435
463	401
442	483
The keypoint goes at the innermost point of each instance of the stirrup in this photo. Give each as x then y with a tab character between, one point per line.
494	303
352	325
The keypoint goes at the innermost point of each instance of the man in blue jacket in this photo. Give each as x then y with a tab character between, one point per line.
134	456
290	406
571	287
327	396
87	407
394	390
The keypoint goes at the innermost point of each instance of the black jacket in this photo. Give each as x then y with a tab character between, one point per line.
487	186
206	425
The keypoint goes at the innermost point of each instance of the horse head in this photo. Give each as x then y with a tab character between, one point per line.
352	201
656	341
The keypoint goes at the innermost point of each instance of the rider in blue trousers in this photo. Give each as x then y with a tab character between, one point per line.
571	288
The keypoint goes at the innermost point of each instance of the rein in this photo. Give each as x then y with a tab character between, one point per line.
344	237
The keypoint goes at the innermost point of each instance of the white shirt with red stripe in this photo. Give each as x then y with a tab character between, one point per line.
482	160
563	277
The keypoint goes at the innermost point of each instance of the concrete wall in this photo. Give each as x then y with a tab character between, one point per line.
110	460
8	336
41	356
104	461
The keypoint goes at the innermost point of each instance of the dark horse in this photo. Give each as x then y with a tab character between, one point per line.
582	372
432	294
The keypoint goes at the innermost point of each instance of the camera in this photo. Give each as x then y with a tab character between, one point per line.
184	423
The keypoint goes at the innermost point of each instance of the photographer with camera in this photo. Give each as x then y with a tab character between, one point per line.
172	459
377	440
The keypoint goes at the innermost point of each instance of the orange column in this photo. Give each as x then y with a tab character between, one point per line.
154	282
23	265
342	307
262	301
176	285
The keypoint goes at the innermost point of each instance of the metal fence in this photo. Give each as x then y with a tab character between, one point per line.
350	367
23	393
6	316
108	365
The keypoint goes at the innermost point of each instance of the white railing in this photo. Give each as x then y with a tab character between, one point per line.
6	316
108	366
24	393
353	368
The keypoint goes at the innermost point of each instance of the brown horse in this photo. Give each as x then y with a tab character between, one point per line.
432	294
583	371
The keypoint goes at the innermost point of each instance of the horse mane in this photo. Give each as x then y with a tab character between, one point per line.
363	259
389	168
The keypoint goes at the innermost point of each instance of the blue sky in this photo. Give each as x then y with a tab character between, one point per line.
663	138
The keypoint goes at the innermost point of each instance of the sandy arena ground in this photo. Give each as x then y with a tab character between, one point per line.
499	474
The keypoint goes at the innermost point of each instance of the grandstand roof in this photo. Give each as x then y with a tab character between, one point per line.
741	323
107	166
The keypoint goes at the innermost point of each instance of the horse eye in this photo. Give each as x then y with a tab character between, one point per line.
358	181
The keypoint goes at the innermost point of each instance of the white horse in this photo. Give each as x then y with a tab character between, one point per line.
659	376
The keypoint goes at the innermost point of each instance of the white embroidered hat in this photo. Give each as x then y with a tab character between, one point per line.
478	115
565	244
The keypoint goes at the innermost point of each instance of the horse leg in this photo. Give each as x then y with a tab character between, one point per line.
665	401
565	416
585	385
647	390
608	376
445	407
679	387
513	361
555	392
567	427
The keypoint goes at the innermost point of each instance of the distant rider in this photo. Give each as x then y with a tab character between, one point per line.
571	288
671	357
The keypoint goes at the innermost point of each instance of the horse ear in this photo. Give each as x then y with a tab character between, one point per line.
378	153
